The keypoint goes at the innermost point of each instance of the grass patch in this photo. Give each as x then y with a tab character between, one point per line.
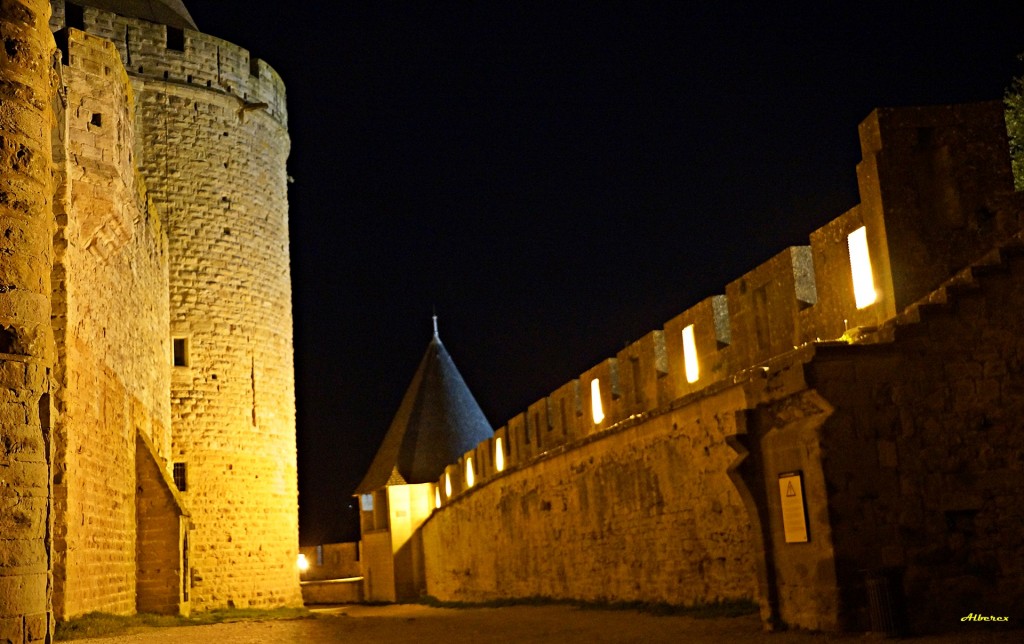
729	608
105	624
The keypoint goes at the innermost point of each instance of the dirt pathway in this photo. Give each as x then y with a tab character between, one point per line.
510	625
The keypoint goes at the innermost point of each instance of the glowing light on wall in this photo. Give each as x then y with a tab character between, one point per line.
499	455
690	355
447	485
302	563
860	264
437	497
595	401
470	477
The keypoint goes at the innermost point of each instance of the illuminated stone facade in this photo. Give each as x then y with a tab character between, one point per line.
823	452
145	320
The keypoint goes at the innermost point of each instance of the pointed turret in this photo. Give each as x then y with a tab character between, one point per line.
437	422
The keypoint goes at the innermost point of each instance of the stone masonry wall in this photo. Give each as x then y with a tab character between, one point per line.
212	146
925	452
26	342
111	323
645	512
219	174
587	463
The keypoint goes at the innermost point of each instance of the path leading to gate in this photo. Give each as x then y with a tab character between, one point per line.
507	625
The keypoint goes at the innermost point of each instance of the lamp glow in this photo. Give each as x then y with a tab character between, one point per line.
302	563
437	498
470	477
499	455
690	355
447	485
595	401
864	293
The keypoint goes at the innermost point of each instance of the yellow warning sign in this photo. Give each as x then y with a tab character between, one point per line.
794	516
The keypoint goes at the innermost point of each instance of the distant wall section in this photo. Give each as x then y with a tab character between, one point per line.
644	513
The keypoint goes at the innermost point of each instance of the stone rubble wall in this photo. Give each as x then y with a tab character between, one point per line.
924	456
644	513
111	321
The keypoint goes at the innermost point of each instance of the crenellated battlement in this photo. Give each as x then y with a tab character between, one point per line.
182	57
930	183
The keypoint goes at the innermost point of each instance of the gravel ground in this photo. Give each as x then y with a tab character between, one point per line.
509	625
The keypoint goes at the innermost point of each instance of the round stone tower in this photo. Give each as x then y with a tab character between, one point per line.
212	127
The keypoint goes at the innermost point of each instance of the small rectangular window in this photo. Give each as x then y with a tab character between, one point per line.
180	479
366	502
179	347
74	16
690	355
596	409
319	555
254	66
864	293
176	39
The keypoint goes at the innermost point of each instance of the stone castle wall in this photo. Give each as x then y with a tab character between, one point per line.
644	514
26	340
792	376
212	148
110	319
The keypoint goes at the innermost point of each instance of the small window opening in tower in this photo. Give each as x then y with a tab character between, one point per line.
179	348
319	555
175	39
97	120
690	355
470	476
499	455
180	477
447	485
74	16
254	66
366	502
864	293
597	410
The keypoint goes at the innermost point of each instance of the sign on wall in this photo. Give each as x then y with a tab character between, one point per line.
794	514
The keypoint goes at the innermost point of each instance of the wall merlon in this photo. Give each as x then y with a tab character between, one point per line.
206	62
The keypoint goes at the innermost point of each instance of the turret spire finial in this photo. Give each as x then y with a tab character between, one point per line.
435	324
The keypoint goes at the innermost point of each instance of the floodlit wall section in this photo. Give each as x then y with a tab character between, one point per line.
111	321
212	147
26	353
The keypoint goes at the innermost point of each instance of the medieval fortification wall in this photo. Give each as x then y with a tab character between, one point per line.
145	323
654	476
26	339
211	145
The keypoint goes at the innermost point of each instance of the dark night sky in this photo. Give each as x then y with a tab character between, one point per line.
558	179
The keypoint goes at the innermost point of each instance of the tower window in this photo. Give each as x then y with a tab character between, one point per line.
180	353
74	16
176	39
180	478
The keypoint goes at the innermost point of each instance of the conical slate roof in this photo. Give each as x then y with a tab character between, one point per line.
437	422
164	12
